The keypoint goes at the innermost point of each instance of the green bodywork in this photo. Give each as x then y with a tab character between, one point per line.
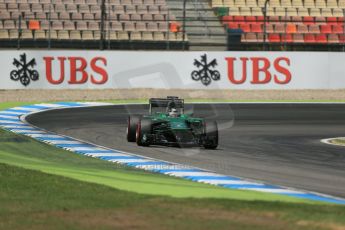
182	122
169	130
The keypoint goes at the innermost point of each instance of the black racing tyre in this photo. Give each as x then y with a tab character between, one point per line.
132	123
211	134
143	129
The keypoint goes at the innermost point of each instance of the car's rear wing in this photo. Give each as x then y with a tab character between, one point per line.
168	102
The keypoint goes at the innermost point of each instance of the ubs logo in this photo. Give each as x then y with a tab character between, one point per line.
206	70
24	72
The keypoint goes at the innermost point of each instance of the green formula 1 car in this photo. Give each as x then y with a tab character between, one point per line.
168	125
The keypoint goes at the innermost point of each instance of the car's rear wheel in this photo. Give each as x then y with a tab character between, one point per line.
132	123
211	135
143	131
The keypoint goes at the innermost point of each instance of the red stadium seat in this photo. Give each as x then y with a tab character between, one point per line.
251	19
320	20
257	28
174	27
233	25
291	28
337	29
239	19
287	38
245	27
321	38
274	19
274	38
226	19
326	29
308	20
34	25
309	38
332	21
260	19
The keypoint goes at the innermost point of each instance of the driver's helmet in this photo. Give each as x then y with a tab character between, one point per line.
173	113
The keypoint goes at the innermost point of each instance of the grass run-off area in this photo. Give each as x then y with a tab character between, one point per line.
42	187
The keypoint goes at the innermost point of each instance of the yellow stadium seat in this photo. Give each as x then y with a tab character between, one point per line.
279	11
332	4
303	12
297	3
257	11
309	4
251	3
341	4
229	3
292	11
326	12
245	11
234	11
217	3
320	4
286	3
338	12
315	12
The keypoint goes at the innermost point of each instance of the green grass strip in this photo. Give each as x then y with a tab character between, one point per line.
34	200
25	152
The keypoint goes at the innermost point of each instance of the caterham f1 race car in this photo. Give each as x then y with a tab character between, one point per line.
168	125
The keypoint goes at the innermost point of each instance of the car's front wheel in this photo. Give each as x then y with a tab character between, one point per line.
143	131
211	135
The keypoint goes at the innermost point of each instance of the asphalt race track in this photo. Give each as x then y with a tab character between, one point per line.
275	143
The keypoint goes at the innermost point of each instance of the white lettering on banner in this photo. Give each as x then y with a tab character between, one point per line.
183	70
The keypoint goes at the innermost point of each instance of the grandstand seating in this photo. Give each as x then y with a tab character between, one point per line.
137	20
288	21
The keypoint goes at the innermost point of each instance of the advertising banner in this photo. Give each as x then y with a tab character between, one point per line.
168	70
